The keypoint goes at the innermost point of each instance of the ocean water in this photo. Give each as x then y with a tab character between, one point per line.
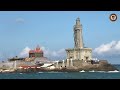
63	75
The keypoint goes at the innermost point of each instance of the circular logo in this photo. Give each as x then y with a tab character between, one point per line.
113	17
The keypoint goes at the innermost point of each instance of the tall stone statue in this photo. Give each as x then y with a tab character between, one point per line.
78	34
75	39
78	52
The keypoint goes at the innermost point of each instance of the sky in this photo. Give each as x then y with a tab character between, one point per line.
21	31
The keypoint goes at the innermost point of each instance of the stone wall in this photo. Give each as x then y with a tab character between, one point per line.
86	54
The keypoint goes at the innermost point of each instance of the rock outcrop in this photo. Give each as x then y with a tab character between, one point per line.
78	65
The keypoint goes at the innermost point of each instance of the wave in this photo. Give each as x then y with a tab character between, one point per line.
92	71
57	72
82	71
113	71
101	71
53	72
97	71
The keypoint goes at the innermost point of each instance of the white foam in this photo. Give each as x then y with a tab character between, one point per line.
113	71
82	71
101	71
97	71
55	72
92	71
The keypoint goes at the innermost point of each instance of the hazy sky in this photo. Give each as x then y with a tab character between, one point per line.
53	31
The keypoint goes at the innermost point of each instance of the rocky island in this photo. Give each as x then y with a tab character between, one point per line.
78	58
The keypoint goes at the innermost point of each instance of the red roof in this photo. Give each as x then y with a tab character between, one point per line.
37	50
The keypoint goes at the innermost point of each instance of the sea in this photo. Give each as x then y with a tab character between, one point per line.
64	75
